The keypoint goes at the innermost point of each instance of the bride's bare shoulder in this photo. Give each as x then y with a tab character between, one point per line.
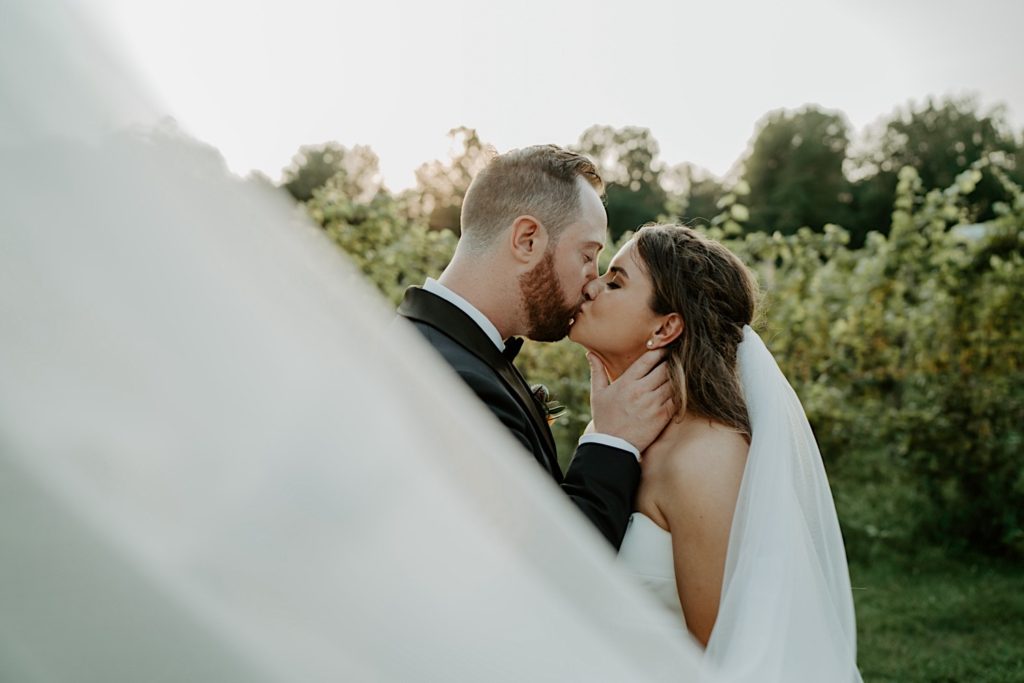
693	456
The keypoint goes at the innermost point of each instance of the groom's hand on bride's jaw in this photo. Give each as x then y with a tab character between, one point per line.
637	405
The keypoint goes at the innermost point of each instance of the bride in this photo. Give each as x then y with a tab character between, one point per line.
735	531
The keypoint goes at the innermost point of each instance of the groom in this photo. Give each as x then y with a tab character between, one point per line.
532	226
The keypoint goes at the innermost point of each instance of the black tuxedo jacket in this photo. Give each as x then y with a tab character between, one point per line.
601	480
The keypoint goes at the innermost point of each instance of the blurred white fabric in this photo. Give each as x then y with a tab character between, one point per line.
221	461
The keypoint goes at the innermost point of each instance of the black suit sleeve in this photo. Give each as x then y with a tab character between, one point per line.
601	480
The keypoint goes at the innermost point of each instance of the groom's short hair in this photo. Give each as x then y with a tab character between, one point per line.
539	181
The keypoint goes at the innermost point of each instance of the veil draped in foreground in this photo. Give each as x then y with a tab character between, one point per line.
787	609
220	460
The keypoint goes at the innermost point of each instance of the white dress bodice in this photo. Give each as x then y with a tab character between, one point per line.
646	554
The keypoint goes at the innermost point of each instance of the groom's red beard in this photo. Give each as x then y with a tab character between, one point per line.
548	315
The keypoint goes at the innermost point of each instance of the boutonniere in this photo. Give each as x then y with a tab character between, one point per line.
552	409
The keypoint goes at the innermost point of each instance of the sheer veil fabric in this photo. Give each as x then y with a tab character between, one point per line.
787	608
220	458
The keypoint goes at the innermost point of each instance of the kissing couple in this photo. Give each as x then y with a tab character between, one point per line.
699	466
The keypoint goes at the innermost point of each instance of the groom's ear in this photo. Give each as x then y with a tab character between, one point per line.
528	239
668	331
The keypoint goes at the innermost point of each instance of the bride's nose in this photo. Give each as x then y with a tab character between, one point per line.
591	289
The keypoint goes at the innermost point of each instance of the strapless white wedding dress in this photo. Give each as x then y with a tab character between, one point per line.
646	555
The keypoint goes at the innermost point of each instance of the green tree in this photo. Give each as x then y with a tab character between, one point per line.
627	159
795	171
940	140
358	170
693	194
906	354
440	186
393	250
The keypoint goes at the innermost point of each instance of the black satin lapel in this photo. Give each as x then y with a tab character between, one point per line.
422	306
518	384
432	310
522	390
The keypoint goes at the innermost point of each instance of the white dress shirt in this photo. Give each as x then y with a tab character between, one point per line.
437	289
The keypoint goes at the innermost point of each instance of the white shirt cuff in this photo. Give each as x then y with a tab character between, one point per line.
613	441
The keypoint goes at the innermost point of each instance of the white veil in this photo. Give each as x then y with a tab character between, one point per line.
787	609
220	461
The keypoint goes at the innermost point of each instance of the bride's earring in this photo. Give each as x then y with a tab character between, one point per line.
650	344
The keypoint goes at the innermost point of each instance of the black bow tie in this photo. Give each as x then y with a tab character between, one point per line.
512	346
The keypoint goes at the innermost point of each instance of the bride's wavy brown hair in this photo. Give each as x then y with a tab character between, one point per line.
716	295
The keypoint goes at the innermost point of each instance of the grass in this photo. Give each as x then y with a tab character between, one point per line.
939	621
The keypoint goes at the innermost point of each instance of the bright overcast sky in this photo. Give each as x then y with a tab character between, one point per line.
258	79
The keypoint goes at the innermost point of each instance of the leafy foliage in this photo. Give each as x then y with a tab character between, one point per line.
693	195
393	250
907	355
355	171
795	171
441	187
940	139
627	160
